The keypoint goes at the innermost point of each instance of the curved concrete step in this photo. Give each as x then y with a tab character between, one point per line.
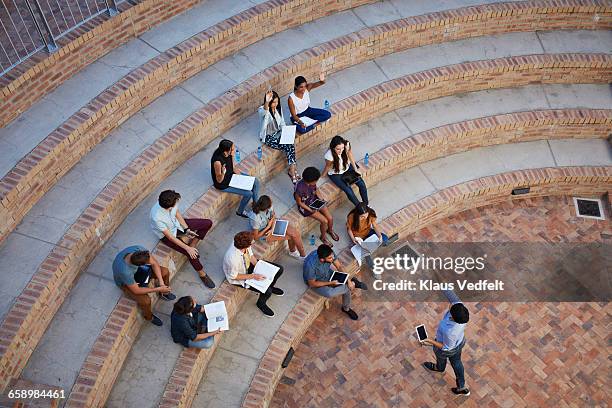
120	181
113	289
419	212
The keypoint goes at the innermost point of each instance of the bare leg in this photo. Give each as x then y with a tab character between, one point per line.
323	223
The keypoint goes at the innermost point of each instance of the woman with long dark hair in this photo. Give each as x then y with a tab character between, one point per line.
221	171
340	167
272	123
361	224
262	219
188	324
299	104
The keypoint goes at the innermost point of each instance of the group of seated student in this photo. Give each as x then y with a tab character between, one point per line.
135	266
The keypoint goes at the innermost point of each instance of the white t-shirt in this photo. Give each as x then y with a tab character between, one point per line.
342	165
234	264
300	104
162	219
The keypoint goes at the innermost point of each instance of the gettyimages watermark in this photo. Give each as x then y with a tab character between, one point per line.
486	271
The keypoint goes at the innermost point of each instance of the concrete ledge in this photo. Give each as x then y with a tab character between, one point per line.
32	177
591	181
35	307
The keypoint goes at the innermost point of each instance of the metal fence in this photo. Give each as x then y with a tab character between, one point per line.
28	26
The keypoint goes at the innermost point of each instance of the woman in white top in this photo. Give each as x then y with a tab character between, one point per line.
272	123
299	104
340	167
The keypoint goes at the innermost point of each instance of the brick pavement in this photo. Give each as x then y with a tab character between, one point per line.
545	360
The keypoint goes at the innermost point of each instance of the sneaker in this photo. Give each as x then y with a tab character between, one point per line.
351	313
359	284
243	215
167	296
278	292
296	254
464	391
207	281
157	321
431	367
266	310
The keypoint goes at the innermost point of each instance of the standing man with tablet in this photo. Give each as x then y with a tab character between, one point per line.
449	342
317	273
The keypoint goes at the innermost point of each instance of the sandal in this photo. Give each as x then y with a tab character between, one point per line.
326	242
334	236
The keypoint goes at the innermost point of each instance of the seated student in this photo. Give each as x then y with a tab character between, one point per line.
305	194
136	263
361	223
261	221
182	235
272	123
299	104
339	164
238	265
222	168
188	324
317	272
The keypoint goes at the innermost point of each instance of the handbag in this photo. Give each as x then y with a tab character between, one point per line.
350	176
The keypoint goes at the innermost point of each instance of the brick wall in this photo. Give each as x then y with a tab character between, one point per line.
592	181
28	82
23	186
34	308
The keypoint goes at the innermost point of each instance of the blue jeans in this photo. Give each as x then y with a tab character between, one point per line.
348	190
331	291
202	344
384	236
320	115
454	356
246	195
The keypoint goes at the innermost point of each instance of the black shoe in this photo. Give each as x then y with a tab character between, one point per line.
157	321
359	284
243	215
278	292
167	296
464	391
351	314
431	367
266	310
207	281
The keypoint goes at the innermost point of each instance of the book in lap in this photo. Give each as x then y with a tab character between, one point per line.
365	247
266	269
308	121
288	135
242	182
216	314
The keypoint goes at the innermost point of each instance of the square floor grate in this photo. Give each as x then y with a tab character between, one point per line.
589	208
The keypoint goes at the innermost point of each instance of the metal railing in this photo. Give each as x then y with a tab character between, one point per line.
28	26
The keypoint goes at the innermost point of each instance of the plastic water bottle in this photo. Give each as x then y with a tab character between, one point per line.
366	159
327	104
237	156
259	153
312	240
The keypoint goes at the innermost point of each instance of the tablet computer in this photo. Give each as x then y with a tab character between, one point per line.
421	332
317	204
341	277
280	228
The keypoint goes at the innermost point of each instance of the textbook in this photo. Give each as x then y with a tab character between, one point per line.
266	269
216	314
242	182
308	121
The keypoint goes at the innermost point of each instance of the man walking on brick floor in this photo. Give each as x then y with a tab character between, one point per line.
132	269
449	342
317	273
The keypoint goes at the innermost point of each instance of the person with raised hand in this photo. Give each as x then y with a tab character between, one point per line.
299	104
272	123
182	235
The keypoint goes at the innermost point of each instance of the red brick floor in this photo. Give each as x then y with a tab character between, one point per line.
517	355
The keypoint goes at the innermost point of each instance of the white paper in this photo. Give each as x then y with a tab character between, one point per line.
217	316
242	182
363	248
288	135
266	269
356	250
308	121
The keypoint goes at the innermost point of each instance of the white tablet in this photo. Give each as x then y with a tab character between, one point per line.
421	332
341	277
280	228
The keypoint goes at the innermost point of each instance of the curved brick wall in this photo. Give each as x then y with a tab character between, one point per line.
591	181
35	173
23	186
33	310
